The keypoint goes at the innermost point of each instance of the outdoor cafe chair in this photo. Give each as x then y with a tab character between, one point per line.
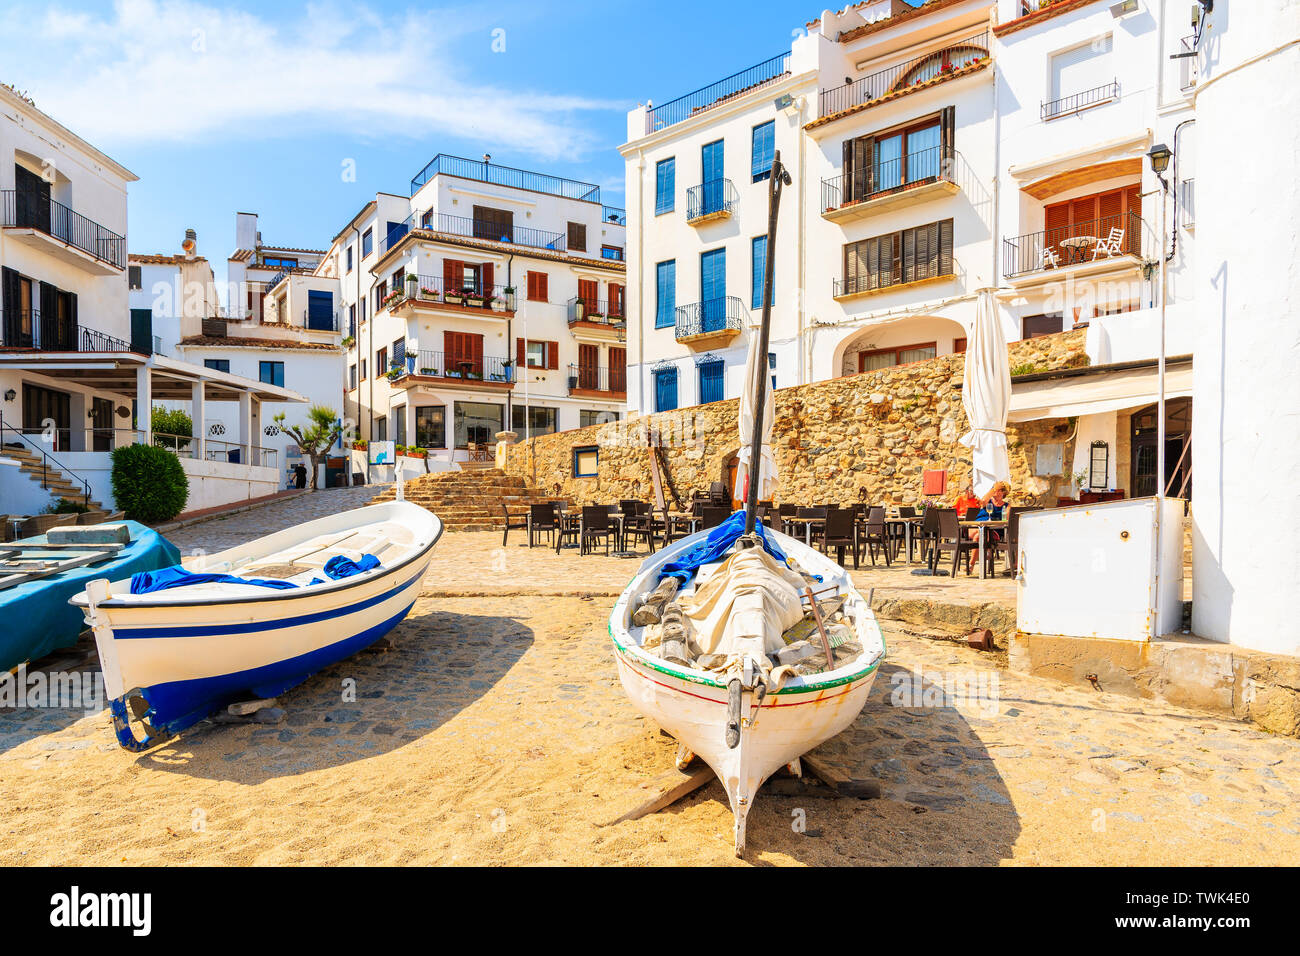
952	538
1112	245
513	523
596	525
542	519
840	532
711	517
874	534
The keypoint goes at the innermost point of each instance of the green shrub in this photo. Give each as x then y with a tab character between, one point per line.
148	483
65	507
171	421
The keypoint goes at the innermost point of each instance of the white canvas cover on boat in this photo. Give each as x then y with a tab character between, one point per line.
745	605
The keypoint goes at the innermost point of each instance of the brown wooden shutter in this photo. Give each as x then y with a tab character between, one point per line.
615	300
476	351
945	264
489	275
521	353
913	257
552	355
846	181
453	274
450	349
947	134
1110	211
1057	221
617	369
1133	206
589	293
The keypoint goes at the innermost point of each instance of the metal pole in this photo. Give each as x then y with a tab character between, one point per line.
778	179
1160	405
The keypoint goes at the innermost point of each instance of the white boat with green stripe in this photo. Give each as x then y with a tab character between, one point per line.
775	716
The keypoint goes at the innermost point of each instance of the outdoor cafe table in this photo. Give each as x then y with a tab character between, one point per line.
807	527
983	527
572	521
1078	247
908	524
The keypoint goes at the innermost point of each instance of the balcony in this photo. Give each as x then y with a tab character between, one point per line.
592	381
28	330
430	295
1082	249
684	107
711	201
1065	105
925	174
488	172
56	230
712	323
614	215
484	229
440	369
921	71
597	320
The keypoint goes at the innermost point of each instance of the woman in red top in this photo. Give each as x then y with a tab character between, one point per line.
966	500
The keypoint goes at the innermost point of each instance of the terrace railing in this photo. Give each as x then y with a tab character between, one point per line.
613	214
488	368
711	315
486	229
594	378
674	111
27	210
488	172
930	165
29	329
901	76
1078	101
1067	245
714	198
432	289
597	311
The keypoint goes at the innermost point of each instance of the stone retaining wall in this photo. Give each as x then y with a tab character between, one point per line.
875	431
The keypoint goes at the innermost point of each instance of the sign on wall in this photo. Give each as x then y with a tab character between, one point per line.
382	452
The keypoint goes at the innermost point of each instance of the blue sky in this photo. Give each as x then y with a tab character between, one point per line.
259	106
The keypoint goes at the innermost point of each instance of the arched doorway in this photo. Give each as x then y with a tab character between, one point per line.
1178	450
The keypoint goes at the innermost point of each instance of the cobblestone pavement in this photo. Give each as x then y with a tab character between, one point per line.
496	731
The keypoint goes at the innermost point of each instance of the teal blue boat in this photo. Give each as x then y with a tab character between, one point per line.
38	618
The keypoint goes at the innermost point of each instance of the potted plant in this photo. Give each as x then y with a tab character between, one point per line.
579	310
509	293
474	300
389	299
395	372
427	293
412	285
348	341
573	381
453	297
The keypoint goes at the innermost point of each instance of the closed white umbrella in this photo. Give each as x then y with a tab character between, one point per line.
986	396
755	365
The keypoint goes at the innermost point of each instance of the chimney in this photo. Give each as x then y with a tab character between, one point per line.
190	245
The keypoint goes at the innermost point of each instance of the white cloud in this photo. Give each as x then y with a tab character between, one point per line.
177	70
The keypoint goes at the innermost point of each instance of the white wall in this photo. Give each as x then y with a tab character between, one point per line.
1247	385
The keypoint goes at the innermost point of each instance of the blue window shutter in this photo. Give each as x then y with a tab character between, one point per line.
711	383
665	185
763	151
665	390
713	289
666	303
320	309
759	271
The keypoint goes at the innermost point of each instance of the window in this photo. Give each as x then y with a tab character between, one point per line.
1032	326
431	426
217	365
759	256
352	320
665	185
887	358
272	373
538	287
614	253
367	243
539	421
280	262
348	258
1082	68
615	300
577	237
133	278
586	462
381	361
381	428
397	353
398	415
590	416
911	255
771	364
892	158
477	422
666	294
711	381
764	145
363	370
352	376
665	389
535	354
494	224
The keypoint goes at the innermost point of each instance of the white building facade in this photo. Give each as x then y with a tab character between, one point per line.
78	373
490	300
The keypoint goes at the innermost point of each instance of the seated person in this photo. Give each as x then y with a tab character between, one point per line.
992	508
966	500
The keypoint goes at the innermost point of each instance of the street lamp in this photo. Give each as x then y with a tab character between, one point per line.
1159	155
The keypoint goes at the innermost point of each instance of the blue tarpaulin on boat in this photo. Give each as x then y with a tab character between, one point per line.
337	567
715	547
38	618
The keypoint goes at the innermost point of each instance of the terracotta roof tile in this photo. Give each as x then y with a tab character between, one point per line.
1054	9
148	259
252	343
848	36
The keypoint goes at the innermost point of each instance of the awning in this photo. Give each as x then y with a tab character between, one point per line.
116	372
1092	391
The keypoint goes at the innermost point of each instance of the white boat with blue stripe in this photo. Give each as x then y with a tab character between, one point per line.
254	620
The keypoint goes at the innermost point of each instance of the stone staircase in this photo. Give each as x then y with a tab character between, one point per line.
59	484
469	500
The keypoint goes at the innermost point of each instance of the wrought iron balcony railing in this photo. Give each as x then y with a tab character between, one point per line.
1078	101
674	111
597	311
1091	241
911	73
717	197
613	214
488	368
594	378
930	165
487	229
25	209
435	289
485	171
712	315
29	329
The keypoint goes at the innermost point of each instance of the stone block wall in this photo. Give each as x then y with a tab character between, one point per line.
861	437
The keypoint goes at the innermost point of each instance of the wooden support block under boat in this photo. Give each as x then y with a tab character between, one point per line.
839	781
663	791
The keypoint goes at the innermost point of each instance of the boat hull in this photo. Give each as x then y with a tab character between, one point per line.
170	665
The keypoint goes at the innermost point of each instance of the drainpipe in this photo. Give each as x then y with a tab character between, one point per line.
805	373
640	282
510	341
